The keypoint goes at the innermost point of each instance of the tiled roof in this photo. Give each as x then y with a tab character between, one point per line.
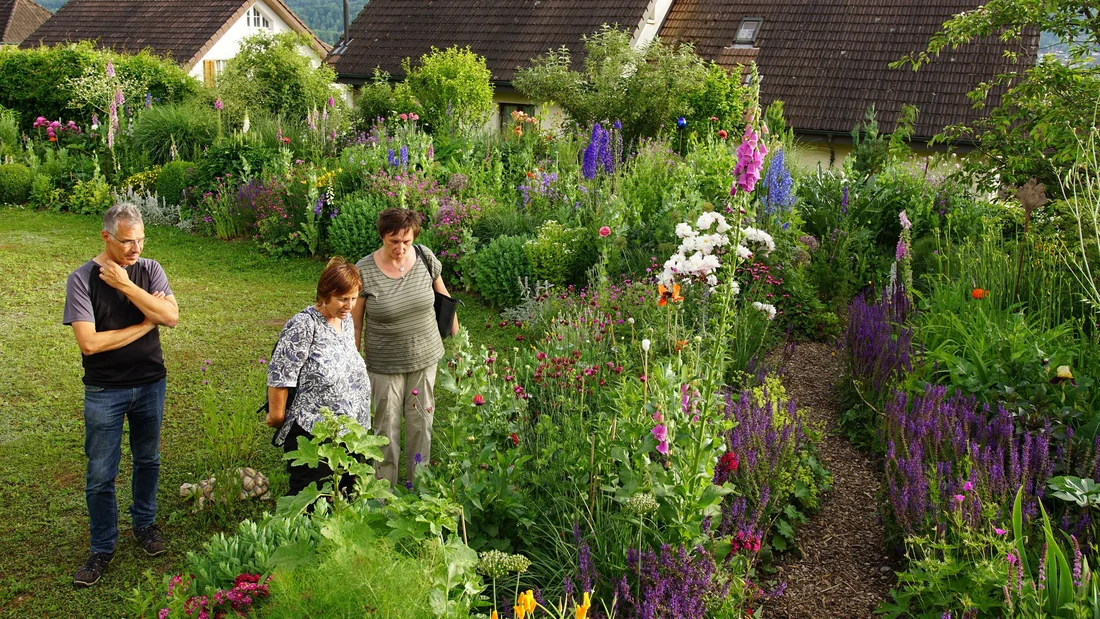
508	33
827	59
182	29
19	18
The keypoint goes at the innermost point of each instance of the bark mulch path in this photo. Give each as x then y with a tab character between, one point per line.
844	570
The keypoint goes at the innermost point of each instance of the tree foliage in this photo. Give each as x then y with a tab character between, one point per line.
1035	128
644	87
271	72
454	87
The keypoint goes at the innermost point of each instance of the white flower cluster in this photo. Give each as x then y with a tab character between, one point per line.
767	308
696	256
760	238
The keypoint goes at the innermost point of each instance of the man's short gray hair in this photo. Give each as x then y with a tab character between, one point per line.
123	211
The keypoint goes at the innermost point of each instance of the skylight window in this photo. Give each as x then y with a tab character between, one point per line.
747	31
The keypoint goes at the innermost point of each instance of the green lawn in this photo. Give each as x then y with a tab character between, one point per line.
233	302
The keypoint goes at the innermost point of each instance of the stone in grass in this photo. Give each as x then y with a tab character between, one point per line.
254	485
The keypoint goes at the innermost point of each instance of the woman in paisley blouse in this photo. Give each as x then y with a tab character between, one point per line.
316	354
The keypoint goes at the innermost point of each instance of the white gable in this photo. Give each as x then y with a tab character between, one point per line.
247	25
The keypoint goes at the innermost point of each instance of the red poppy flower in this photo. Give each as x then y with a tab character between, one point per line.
515	439
722	134
979	294
479	400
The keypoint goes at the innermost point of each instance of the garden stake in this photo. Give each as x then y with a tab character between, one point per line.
592	475
462	519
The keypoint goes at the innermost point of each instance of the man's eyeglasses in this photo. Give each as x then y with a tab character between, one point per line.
129	243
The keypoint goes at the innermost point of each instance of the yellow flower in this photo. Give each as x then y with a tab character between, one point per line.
494	615
528	600
582	610
521	612
1064	373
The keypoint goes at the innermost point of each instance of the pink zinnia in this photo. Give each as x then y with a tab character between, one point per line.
605	231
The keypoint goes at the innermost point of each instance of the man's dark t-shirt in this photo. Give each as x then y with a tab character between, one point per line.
89	299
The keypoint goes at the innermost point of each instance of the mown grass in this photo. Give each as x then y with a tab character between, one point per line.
233	302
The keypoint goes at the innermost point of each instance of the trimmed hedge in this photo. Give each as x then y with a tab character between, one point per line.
15	183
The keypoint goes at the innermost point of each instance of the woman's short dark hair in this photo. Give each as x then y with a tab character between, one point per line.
395	220
338	278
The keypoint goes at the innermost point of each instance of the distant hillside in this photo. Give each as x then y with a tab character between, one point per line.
324	17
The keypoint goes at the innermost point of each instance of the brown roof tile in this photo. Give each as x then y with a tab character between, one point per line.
19	18
827	59
509	33
181	29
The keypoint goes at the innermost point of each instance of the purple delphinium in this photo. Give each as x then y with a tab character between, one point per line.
778	183
591	161
844	202
607	163
392	158
404	154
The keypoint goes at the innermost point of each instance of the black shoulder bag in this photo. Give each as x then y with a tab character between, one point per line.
290	391
445	307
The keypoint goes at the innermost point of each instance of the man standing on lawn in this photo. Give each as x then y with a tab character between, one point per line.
115	302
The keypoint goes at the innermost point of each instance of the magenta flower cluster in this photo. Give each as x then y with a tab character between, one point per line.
750	161
54	127
246	589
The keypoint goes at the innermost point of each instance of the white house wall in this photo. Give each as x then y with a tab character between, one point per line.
230	43
651	22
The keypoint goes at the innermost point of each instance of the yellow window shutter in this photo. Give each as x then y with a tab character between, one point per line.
208	73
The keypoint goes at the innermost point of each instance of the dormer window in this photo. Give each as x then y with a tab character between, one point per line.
747	31
255	19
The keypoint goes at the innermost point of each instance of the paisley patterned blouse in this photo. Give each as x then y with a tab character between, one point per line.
324	366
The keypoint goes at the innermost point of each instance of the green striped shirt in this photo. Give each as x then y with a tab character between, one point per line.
399	329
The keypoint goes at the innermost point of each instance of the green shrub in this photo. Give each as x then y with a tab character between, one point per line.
174	178
453	86
354	231
359	569
643	86
46	81
379	98
9	131
44	194
241	160
498	269
186	127
90	197
560	255
15	183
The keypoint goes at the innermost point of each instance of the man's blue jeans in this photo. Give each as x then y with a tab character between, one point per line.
104	410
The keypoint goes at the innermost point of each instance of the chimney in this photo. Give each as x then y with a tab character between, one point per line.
347	22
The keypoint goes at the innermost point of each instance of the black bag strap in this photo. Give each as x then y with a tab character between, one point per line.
431	276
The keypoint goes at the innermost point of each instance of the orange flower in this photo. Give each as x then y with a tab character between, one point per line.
681	344
666	295
979	294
